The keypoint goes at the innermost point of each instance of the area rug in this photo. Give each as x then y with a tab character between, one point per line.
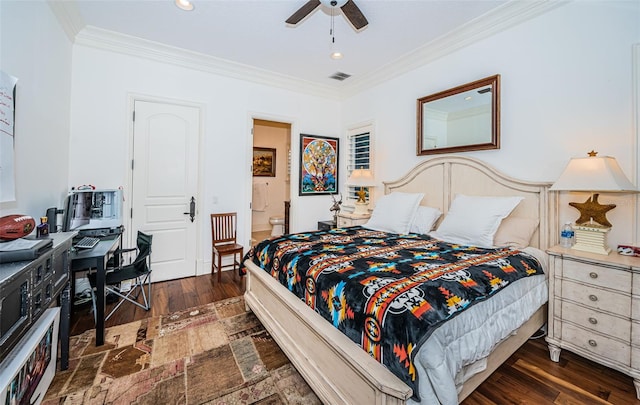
214	354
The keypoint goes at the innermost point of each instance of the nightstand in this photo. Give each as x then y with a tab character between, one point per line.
594	308
326	225
348	219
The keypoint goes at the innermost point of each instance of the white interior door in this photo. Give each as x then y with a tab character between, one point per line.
164	179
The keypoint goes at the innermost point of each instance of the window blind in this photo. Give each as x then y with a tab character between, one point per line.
359	158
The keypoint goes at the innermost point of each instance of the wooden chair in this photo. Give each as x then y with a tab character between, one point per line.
223	238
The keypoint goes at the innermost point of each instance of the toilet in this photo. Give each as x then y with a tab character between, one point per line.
277	225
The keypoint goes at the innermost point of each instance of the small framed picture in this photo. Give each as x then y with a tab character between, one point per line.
264	162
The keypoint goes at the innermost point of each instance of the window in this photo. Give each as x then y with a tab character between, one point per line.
359	155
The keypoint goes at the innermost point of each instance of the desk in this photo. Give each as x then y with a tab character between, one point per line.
97	257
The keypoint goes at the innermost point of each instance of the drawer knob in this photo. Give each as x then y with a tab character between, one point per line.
593	297
592	343
593	321
593	275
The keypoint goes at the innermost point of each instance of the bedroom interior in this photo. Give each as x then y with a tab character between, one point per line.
564	88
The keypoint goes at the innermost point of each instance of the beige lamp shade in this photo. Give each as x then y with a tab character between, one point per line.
361	178
593	173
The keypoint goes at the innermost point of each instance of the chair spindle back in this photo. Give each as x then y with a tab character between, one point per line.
223	227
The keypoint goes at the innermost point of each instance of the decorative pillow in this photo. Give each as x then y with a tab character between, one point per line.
474	220
394	212
515	232
425	219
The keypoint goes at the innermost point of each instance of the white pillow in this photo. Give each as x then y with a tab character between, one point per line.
474	220
394	212
425	219
515	232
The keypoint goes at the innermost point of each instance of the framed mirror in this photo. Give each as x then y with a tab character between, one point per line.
461	119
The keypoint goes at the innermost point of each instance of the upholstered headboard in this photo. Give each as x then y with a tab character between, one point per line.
441	178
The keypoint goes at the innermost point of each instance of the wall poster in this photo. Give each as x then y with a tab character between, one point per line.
318	165
7	137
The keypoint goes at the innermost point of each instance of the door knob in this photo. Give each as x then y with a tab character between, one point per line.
192	209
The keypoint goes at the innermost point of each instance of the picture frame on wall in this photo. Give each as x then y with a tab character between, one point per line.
319	157
264	162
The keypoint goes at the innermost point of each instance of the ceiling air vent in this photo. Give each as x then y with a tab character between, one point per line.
339	76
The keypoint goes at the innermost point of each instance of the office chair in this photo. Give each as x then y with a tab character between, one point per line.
223	238
139	271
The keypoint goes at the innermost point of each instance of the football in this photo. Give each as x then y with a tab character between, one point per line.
16	226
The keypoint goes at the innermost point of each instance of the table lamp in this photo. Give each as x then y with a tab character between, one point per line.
361	178
593	174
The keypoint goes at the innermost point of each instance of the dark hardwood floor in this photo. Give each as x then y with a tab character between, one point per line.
527	377
167	297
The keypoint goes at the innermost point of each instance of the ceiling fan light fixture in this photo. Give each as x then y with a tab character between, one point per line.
185	5
336	55
333	3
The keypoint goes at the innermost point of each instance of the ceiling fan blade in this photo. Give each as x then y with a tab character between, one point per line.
303	12
354	15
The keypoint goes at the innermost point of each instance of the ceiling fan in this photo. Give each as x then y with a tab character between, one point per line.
348	7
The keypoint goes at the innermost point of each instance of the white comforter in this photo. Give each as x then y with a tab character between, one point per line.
471	336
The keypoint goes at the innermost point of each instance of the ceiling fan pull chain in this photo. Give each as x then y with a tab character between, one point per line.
333	26
331	29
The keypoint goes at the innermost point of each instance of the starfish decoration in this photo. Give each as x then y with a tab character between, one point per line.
592	209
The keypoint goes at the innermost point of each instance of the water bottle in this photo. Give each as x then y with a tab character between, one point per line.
566	235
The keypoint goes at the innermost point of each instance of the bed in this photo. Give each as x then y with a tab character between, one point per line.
338	370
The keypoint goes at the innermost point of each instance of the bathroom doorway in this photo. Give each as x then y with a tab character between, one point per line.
271	177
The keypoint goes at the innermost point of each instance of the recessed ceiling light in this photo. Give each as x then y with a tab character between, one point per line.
468	98
336	55
184	5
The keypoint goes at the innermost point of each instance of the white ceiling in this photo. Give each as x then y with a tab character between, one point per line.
254	32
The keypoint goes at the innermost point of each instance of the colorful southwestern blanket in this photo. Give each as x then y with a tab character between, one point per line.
388	292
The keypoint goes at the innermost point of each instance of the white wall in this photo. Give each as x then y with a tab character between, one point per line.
103	81
566	88
34	49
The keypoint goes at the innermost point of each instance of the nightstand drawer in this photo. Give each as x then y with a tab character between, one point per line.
596	298
345	220
596	320
326	225
597	275
597	344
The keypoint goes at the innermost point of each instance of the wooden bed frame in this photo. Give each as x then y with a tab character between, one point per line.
337	369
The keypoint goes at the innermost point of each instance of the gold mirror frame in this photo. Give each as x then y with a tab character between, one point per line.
429	144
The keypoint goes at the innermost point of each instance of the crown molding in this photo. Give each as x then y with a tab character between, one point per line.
510	14
129	45
502	18
68	16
